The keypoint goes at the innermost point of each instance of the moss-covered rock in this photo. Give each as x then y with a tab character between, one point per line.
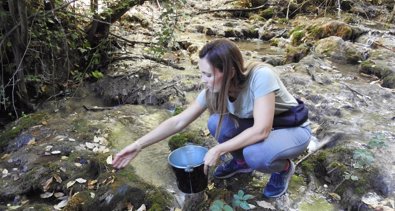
296	37
381	69
295	54
12	130
267	13
183	138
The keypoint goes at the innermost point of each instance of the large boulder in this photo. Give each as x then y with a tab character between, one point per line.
338	50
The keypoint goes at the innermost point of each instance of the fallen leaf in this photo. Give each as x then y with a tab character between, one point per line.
31	141
109	160
265	204
46	195
47	184
57	178
58	194
48	148
69	184
81	180
92	182
5	172
56	152
90	145
5	156
92	195
61	204
211	186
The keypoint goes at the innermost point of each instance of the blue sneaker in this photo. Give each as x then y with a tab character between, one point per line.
278	183
230	168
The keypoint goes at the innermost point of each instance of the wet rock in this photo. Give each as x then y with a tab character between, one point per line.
332	28
338	50
295	54
20	141
274	60
383	69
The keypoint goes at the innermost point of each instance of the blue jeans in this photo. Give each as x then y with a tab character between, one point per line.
268	155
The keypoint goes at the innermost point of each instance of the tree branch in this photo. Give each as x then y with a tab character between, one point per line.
233	10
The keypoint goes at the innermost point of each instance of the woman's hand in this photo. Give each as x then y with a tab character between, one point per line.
211	158
127	154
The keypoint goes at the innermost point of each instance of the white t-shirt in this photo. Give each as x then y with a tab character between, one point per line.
262	81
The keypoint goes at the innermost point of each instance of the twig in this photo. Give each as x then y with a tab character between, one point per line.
353	90
165	62
289	5
321	144
338	9
157	3
233	10
132	42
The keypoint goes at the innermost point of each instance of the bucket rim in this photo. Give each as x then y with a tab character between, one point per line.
180	148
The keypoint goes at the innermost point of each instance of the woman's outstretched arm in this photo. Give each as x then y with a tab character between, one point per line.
164	130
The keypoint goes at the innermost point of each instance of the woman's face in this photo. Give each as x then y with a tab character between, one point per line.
211	77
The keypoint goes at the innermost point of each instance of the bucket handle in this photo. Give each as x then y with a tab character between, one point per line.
188	169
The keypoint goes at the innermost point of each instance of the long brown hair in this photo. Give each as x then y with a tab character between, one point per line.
226	57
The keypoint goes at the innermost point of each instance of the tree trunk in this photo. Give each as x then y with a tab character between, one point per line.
99	28
94	6
18	13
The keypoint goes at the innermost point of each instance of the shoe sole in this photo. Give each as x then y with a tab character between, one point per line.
245	171
286	185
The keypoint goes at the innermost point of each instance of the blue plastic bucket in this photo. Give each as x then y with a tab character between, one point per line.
188	166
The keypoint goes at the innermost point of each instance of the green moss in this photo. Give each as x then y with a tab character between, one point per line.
274	42
159	199
256	17
296	183
183	138
295	54
178	110
77	201
80	125
267	13
296	37
315	32
22	123
282	20
339	166
128	175
316	204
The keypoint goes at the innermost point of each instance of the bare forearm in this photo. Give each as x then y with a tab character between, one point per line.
247	137
164	130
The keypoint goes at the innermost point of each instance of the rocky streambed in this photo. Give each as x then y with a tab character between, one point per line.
343	68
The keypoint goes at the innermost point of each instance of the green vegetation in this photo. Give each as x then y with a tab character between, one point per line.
183	138
239	201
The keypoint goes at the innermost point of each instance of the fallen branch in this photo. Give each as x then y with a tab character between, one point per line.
358	94
158	60
233	10
132	42
326	141
163	61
